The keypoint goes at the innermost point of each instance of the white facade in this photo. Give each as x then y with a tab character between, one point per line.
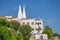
36	24
21	17
28	21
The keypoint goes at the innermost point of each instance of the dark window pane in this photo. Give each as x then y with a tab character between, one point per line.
23	22
28	23
32	23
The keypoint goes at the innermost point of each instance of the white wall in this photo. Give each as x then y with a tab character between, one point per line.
30	23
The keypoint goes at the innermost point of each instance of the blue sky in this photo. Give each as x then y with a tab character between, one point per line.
48	10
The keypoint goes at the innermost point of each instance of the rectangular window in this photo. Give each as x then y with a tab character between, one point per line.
38	23
28	23
32	23
23	23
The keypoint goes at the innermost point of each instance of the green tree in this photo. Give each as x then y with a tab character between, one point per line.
3	22
15	25
26	31
7	30
19	37
7	33
48	31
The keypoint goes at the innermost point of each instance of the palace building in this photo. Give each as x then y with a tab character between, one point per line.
35	24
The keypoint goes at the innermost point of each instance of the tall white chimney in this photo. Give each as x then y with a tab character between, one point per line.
20	15
24	13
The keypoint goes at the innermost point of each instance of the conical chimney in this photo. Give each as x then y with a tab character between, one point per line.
20	15
24	13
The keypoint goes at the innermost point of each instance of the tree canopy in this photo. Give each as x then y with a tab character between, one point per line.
3	22
15	25
7	33
48	31
26	31
8	30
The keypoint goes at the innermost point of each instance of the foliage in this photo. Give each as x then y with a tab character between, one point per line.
11	24
15	25
25	30
8	30
3	22
19	37
48	31
7	33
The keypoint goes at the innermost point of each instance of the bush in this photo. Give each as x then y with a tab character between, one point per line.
7	34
